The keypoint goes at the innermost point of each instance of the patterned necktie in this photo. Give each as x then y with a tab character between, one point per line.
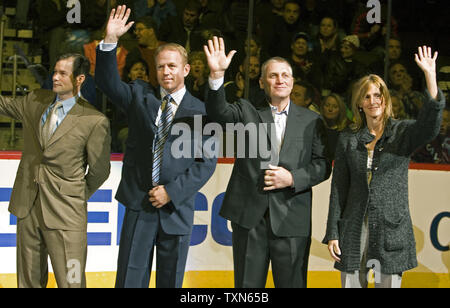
161	137
49	126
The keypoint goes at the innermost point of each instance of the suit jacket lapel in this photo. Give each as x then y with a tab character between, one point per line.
185	108
265	114
184	114
294	117
151	106
38	123
69	121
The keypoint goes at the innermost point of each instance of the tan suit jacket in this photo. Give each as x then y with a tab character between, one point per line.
74	164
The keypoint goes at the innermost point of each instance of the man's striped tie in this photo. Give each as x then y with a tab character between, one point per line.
50	124
161	137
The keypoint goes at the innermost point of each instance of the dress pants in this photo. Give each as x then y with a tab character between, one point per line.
36	242
254	249
359	279
141	232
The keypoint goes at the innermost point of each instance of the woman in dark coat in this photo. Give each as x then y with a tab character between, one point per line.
369	223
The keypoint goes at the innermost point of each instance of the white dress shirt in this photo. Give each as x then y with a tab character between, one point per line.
62	112
177	96
280	118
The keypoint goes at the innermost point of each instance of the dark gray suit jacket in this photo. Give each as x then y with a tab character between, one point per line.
303	153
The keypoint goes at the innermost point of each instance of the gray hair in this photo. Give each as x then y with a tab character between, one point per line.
277	60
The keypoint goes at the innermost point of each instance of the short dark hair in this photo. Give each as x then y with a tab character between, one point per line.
130	64
310	92
148	22
81	64
193	6
300	35
292	2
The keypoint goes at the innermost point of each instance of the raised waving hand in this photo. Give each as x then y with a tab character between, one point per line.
218	61
427	63
117	24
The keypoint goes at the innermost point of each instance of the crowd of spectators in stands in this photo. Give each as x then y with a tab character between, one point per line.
329	43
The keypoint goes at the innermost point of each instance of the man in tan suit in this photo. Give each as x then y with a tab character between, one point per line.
66	158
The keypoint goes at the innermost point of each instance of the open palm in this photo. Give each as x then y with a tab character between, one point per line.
427	63
426	60
117	24
218	61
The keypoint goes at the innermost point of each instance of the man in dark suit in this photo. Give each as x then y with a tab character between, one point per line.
183	30
269	207
157	188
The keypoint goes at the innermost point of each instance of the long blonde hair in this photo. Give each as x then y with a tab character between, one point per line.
342	121
359	92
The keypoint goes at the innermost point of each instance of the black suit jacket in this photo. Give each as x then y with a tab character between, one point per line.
303	153
181	177
172	31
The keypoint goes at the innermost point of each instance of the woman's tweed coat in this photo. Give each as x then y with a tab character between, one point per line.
385	200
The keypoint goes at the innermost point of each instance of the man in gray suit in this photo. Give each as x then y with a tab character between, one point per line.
270	208
63	136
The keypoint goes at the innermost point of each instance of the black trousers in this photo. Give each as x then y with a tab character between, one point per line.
254	249
141	233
